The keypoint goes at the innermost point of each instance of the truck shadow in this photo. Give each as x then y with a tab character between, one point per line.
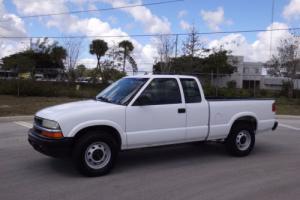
167	156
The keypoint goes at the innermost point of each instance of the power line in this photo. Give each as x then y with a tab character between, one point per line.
98	10
151	35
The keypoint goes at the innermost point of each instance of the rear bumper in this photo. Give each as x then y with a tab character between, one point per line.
275	126
50	147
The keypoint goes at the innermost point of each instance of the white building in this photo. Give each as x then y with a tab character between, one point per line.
250	75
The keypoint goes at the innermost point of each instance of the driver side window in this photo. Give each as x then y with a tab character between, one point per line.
159	92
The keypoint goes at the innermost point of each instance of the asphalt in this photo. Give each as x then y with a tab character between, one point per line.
190	171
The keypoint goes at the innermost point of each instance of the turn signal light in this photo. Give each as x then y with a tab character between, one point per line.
273	107
54	135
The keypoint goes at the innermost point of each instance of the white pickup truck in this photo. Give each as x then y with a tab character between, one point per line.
146	111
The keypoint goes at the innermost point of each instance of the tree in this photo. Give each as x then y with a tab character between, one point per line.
216	62
58	54
73	47
127	47
80	70
287	61
114	54
20	62
165	49
98	48
43	45
48	59
192	46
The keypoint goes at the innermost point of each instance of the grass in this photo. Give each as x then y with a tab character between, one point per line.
287	106
13	105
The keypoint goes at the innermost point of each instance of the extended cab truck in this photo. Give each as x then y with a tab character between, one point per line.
146	111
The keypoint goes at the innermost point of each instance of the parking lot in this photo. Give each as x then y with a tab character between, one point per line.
190	171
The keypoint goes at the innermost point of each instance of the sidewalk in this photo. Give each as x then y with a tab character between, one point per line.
30	118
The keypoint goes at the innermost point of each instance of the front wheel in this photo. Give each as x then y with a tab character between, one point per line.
241	140
95	153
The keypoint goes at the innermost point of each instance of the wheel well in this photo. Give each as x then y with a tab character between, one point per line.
109	129
246	119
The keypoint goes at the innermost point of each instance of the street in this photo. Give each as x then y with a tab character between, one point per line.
189	171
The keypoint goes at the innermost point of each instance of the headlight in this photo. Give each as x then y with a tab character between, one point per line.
46	123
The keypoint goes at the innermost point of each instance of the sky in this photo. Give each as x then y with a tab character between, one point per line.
173	17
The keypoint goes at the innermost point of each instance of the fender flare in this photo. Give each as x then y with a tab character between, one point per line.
240	115
112	124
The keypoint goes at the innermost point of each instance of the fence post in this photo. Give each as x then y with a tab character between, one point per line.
18	85
254	87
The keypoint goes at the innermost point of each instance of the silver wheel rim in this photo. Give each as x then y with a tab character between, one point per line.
243	140
97	155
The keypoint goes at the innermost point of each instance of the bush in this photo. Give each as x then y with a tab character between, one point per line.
231	84
49	89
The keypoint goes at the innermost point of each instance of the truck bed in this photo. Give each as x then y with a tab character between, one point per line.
224	111
212	98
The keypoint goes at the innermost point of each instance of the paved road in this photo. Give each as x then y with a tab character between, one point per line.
190	171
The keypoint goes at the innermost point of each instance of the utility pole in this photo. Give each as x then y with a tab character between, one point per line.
176	45
30	43
271	32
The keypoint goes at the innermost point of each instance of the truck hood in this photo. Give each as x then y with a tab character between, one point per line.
79	108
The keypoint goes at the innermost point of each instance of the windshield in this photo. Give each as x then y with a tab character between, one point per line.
122	91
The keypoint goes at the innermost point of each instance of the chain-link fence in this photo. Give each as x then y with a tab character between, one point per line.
214	85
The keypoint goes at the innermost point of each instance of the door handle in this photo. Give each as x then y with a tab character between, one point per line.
181	110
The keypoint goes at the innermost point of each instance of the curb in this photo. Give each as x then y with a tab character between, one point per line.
287	117
16	118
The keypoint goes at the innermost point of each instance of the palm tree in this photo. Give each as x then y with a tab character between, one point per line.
127	49
99	48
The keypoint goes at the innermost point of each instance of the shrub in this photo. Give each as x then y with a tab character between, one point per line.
49	89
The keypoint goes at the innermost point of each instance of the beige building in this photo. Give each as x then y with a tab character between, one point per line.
250	75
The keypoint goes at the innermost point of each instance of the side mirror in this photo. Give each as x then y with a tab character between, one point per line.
142	100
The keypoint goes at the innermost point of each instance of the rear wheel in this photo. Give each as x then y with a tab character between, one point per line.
241	140
95	153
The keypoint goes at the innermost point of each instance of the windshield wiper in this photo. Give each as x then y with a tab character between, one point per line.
103	99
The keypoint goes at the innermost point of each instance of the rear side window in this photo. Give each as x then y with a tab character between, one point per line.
191	90
162	91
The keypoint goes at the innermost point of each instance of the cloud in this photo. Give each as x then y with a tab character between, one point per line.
182	14
34	7
292	10
92	26
259	50
88	62
13	27
152	23
214	19
184	25
112	19
74	25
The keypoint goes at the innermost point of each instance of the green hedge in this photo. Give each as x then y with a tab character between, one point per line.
66	89
49	89
243	93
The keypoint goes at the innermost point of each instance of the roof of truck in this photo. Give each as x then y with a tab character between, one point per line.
160	76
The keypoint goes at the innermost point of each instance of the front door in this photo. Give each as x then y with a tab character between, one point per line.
157	116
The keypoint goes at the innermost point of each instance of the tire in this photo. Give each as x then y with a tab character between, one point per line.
240	140
94	154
